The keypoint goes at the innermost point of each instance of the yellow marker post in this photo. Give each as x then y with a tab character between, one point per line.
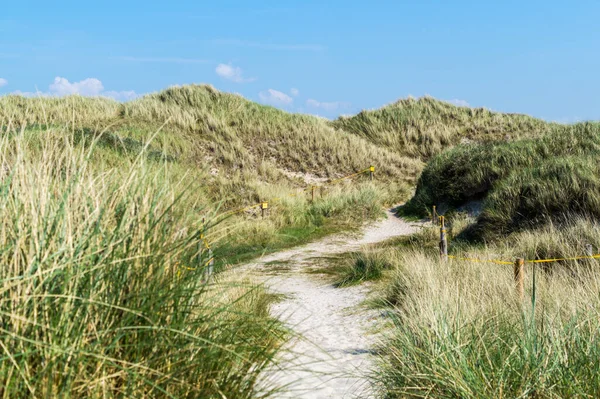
263	207
372	172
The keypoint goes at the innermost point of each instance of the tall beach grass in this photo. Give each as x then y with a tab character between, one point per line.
460	329
103	291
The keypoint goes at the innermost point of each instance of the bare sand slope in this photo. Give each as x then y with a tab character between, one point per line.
330	357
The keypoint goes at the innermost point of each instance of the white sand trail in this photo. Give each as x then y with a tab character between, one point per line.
330	358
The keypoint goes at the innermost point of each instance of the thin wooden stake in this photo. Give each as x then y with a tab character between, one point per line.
533	292
313	193
443	240
211	265
434	215
372	172
201	245
520	277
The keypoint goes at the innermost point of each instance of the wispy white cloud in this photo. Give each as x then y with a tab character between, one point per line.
166	60
274	97
3	82
229	72
295	92
268	46
90	87
327	106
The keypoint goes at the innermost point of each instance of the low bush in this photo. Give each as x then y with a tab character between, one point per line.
523	183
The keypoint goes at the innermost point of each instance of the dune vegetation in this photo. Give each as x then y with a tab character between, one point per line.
522	184
424	127
458	328
103	288
107	208
239	152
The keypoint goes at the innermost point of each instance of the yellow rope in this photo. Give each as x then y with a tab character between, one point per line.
503	262
352	175
561	259
499	262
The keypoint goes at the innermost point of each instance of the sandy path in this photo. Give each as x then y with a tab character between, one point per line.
330	358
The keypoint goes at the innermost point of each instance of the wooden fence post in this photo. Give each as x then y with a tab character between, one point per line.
443	240
589	250
371	172
520	277
313	193
434	215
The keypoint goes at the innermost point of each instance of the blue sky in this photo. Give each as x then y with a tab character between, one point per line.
322	57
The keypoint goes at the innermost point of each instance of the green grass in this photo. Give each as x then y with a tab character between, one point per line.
103	202
374	262
361	267
495	356
458	329
102	294
240	151
344	208
219	131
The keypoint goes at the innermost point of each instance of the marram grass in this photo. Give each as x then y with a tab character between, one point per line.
231	153
102	293
459	329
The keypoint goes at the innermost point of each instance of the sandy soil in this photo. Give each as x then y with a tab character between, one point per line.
330	357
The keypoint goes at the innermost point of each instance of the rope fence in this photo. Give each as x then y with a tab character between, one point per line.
444	251
204	245
264	205
519	263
